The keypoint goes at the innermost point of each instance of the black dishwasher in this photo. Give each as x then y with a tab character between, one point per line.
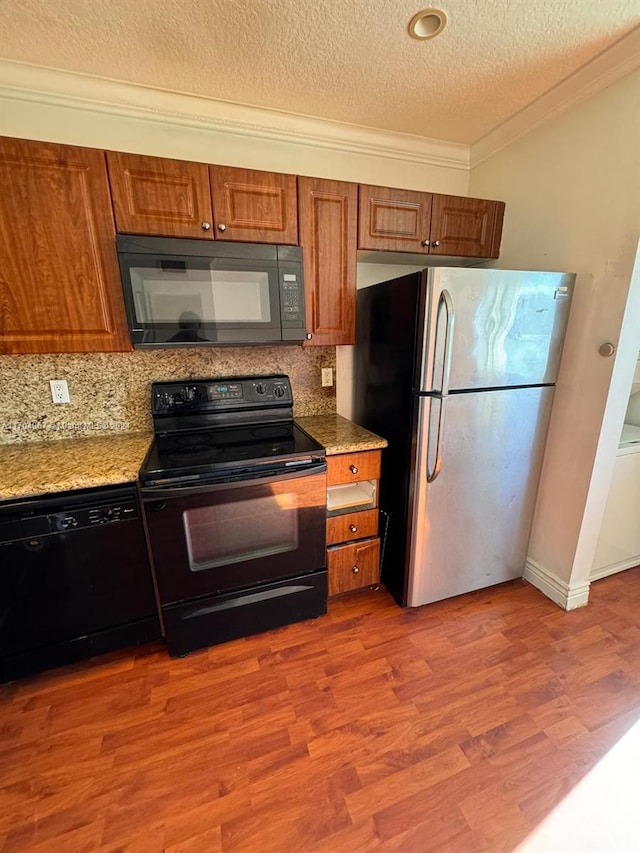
75	579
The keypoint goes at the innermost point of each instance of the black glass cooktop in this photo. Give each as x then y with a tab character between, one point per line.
200	454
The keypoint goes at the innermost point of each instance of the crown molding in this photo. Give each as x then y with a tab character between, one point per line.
607	68
37	84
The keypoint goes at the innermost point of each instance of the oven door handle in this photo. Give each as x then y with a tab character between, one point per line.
166	493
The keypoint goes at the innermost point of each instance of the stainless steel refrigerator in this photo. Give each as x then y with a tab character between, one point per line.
456	369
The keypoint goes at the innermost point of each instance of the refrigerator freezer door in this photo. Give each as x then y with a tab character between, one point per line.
493	328
470	525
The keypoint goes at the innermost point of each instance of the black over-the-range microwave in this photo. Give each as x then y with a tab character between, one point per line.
205	293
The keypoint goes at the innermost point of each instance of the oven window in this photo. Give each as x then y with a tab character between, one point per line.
245	530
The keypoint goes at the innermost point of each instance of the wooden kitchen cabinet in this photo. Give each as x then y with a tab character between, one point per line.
155	195
59	279
353	566
175	198
254	206
328	219
466	227
353	545
396	220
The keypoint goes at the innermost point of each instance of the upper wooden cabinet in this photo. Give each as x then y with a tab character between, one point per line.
59	278
466	227
395	220
327	212
155	195
174	198
253	206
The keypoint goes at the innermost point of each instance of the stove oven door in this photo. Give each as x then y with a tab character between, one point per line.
210	540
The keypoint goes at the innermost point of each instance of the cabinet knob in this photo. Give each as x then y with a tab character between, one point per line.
353	528
355	569
222	227
425	243
308	336
435	244
607	350
353	469
206	226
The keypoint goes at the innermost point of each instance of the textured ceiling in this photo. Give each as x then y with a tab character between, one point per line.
347	60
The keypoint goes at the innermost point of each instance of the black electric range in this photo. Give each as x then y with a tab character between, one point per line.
212	429
234	498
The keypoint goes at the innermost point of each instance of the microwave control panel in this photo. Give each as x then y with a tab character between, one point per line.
291	299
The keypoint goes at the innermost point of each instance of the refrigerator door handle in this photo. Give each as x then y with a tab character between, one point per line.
446	301
432	472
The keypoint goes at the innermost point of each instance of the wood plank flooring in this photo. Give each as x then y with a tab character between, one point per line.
453	727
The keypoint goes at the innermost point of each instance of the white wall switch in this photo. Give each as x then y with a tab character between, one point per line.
327	377
59	391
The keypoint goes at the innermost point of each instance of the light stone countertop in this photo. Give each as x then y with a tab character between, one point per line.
340	435
32	469
39	468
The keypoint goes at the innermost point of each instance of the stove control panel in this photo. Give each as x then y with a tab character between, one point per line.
235	394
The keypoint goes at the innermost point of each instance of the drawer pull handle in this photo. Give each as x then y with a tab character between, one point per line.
353	469
355	569
353	528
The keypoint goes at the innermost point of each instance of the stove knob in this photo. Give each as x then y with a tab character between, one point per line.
279	391
260	388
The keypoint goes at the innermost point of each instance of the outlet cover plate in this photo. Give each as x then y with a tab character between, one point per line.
59	391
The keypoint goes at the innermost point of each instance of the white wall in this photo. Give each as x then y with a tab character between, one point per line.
572	188
58	106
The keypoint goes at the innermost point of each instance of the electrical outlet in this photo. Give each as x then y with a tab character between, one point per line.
59	391
327	377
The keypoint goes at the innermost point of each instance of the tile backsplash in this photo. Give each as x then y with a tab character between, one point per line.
110	392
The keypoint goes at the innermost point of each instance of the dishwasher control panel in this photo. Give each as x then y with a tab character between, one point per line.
32	525
93	516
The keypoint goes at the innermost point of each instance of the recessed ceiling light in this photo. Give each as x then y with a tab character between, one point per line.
427	24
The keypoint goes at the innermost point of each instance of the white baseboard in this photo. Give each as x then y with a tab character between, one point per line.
565	596
613	569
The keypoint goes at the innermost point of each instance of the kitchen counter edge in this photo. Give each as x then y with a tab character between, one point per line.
340	435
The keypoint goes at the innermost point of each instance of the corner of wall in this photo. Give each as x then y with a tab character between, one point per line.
567	596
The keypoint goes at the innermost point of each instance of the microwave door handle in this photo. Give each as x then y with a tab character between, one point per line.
166	493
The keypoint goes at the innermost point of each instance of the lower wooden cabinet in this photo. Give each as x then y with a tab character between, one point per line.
353	565
353	546
355	525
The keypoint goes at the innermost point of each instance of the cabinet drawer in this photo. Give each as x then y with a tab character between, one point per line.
353	566
356	525
351	467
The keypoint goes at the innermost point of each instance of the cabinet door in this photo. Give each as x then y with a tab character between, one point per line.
328	213
59	279
254	206
154	195
394	220
466	227
353	566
